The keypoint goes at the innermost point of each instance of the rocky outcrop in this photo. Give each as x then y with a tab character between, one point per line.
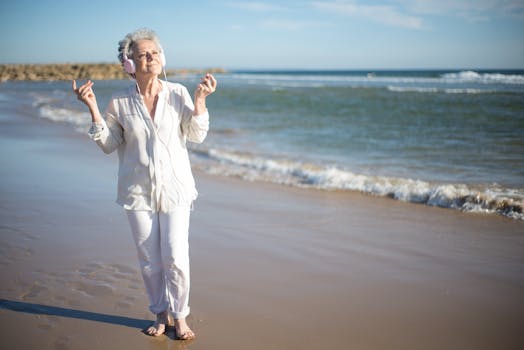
66	71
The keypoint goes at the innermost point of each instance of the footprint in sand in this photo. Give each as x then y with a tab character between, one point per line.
10	254
94	288
35	290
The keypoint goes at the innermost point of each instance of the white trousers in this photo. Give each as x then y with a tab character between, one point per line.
163	253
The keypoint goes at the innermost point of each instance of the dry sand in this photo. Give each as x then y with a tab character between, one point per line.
272	267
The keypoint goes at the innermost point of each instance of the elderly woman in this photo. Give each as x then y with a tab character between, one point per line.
148	124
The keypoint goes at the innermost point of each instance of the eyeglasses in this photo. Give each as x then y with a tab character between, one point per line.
147	55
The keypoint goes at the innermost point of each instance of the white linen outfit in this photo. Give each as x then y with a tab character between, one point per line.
155	184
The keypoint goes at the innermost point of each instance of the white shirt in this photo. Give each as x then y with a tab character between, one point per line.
154	171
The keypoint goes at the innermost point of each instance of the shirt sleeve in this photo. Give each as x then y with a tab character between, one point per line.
95	131
194	127
108	134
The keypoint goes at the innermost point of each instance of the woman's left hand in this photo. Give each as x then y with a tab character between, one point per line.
207	86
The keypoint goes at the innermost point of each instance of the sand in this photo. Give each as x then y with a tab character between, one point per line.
272	267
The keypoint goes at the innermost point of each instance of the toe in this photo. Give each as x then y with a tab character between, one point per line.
150	331
188	335
155	330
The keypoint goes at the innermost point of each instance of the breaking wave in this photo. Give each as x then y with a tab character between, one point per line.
377	79
56	107
434	90
467	198
487	78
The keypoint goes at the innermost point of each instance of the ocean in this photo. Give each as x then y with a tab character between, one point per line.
452	139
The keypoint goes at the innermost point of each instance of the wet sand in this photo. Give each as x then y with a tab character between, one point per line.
272	267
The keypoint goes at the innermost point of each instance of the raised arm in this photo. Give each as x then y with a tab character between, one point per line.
107	133
206	87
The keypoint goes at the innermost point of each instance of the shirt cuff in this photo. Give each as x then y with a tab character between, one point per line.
95	130
201	119
205	114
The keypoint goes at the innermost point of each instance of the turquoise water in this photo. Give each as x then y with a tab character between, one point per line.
395	128
451	139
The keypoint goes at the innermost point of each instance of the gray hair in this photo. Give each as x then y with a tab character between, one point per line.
125	46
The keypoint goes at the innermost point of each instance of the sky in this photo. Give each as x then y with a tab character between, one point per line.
324	34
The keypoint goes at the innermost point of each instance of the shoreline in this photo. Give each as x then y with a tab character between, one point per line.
282	267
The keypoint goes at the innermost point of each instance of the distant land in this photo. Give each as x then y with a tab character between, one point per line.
69	71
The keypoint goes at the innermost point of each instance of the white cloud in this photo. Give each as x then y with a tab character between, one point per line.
468	9
255	6
385	14
286	24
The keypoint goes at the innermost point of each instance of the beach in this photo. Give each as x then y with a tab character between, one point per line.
273	266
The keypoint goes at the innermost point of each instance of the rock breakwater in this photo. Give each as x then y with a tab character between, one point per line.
69	71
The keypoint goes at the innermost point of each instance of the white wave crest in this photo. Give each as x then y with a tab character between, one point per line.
412	89
305	80
434	90
371	79
508	202
489	78
54	109
64	115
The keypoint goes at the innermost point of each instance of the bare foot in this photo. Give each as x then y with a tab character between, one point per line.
159	327
182	330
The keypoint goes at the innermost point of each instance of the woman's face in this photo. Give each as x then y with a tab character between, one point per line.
147	58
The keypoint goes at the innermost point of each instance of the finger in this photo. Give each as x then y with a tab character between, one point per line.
88	85
213	80
82	90
85	88
205	87
210	85
74	85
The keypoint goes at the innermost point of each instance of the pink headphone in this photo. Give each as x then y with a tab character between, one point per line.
129	64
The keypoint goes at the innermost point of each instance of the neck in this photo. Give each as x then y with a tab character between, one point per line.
148	86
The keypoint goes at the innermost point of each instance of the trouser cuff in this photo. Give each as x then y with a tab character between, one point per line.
180	315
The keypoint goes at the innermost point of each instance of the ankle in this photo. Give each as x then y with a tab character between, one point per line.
163	317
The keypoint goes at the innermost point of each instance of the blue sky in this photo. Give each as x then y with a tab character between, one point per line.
268	34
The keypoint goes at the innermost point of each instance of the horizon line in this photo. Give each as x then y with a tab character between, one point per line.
288	69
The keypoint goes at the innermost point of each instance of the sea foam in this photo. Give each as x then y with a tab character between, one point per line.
381	78
55	108
479	199
436	90
488	78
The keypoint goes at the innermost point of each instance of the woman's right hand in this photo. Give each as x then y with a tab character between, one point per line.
86	94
